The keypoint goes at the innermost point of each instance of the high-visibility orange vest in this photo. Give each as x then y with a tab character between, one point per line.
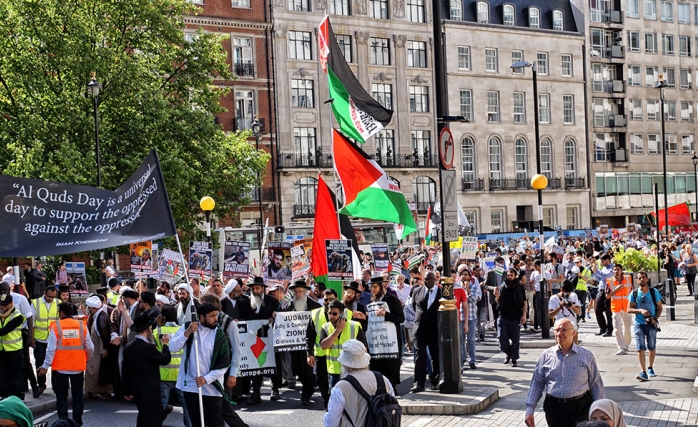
619	301
70	352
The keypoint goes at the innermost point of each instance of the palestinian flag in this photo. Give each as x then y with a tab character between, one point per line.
679	215
358	114
368	192
428	228
327	227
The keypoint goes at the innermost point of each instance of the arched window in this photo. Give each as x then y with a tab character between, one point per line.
546	158
508	15
533	17
557	20
483	12
521	159
423	193
570	159
468	159
304	191
494	149
456	13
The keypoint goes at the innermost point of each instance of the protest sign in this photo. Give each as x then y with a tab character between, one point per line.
603	230
141	256
279	267
299	263
381	257
289	330
236	261
558	229
381	335
470	247
456	244
587	233
200	258
339	265
77	279
170	266
55	218
256	349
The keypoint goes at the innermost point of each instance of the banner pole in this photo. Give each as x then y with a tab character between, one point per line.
329	102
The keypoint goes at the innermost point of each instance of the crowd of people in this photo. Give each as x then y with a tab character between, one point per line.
136	343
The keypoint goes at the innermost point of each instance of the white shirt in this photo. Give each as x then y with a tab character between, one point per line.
9	278
404	293
565	312
22	304
536	278
432	296
206	338
48	307
109	272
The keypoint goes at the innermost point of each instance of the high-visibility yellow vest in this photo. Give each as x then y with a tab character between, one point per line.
581	284
350	332
13	340
170	371
319	319
43	318
112	298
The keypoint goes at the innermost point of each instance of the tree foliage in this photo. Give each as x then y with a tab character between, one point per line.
158	92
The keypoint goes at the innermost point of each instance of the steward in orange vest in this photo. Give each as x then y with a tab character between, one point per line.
69	348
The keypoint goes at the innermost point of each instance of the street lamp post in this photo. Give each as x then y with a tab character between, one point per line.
538	182
695	177
661	85
207	204
93	88
257	132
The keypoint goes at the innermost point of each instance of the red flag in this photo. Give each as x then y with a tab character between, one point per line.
679	215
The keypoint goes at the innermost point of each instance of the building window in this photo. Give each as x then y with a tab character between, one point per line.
598	10
686	111
571	217
653	143
344	43
304	191
650	43
521	159
508	15
472	219
684	46
544	107
685	78
415	11
542	64
492	106
380	51
456	13
634	72
568	109
298	5
383	93
302	93
635	109
421	147
299	45
519	107
305	147
242	56
687	144
491	63
672	144
378	9
338	7
667	44
651	76
670	77
557	20
419	99
468	159
548	215
652	109
670	111
684	12
417	54
546	158
570	159
466	104
650	8
516	56
464	57
667	11
496	216
566	65
245	109
385	147
483	12
495	158
632	8
634	41
636	144
533	17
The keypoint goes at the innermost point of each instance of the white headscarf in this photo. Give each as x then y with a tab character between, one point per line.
93	302
611	409
232	284
186	288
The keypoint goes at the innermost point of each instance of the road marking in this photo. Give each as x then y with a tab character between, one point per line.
50	414
127	411
277	412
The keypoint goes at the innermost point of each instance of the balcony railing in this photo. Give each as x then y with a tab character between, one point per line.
268	194
386	161
245	123
293	160
422	207
574	183
301	211
554	183
244	70
510	184
473	185
618	155
412	161
612	121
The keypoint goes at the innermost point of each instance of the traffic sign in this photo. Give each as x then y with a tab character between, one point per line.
447	149
449	208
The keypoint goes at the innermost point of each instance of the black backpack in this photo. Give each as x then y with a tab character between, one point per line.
383	408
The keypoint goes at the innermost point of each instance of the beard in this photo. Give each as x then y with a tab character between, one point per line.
256	302
300	304
212	325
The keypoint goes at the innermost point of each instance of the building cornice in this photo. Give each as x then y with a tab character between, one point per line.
230	23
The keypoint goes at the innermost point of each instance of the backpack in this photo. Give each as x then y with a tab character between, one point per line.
383	408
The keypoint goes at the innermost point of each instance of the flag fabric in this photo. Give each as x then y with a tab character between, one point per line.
358	114
428	228
415	260
394	268
368	192
462	219
679	215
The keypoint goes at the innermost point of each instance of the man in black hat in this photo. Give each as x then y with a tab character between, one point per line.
386	307
141	372
350	299
302	302
64	296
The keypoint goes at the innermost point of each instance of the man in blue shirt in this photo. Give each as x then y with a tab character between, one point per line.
646	305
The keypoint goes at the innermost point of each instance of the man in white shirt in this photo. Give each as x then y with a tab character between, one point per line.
565	304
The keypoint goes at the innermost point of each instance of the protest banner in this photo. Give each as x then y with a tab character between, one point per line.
279	256
558	229
289	330
170	266
470	247
77	278
381	335
587	233
236	259
603	230
300	266
53	218
381	257
200	258
339	265
256	349
141	256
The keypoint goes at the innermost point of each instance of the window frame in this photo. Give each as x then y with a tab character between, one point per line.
533	17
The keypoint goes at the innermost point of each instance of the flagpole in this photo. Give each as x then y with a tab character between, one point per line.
329	102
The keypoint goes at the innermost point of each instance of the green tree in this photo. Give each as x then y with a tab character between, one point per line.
159	91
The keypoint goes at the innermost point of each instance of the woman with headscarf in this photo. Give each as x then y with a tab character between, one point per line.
608	411
12	409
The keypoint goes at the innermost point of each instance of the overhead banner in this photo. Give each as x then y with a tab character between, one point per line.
237	260
381	257
200	258
256	349
289	330
381	335
142	256
51	218
339	265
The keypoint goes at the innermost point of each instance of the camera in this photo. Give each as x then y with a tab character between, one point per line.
567	302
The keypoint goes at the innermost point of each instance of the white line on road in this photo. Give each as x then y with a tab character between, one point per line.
50	414
127	411
278	412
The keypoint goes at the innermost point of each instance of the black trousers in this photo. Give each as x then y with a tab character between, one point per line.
230	416
420	366
300	367
29	373
11	372
39	357
276	379
390	368
323	378
566	414
213	410
603	313
62	382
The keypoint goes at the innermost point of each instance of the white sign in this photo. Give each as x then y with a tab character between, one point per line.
381	335
256	349
289	330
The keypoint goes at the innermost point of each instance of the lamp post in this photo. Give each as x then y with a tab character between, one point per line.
661	85
695	176
93	88
207	204
257	132
538	182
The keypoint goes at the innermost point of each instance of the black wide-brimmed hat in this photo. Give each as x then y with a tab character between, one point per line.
353	285
377	279
142	322
299	284
257	281
63	288
101	291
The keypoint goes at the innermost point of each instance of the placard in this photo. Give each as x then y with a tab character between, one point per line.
279	256
603	230
236	262
381	335
76	277
470	247
170	266
339	265
381	257
256	349
300	266
587	232
142	256
200	258
289	330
